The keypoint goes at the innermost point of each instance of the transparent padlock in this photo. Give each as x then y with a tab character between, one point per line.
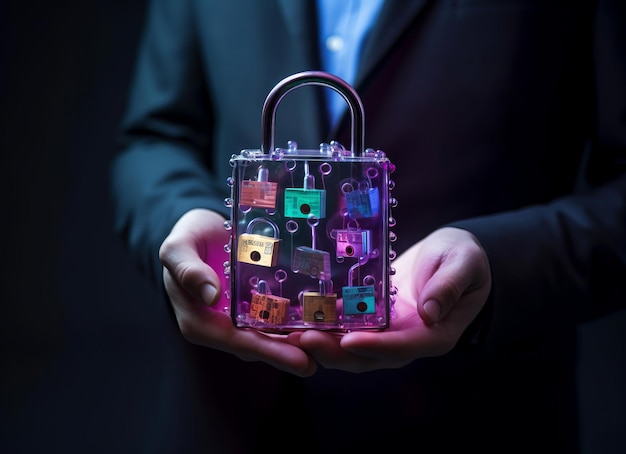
330	275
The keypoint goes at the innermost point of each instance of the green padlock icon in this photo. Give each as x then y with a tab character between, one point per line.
305	201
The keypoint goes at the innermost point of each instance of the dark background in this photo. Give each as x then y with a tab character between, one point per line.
84	340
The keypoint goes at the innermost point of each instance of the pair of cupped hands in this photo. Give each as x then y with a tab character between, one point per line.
443	283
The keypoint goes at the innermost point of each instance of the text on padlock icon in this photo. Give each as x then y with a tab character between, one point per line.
353	243
258	249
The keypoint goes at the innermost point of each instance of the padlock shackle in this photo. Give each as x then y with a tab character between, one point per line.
255	221
324	79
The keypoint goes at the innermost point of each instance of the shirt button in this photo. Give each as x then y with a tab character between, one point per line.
334	43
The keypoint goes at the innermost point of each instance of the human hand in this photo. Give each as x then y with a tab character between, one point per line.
191	254
443	282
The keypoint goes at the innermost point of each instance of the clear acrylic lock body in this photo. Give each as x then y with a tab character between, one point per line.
316	229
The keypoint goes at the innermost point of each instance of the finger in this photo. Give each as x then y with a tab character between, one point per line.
330	351
194	251
398	348
211	328
253	345
182	261
325	348
459	273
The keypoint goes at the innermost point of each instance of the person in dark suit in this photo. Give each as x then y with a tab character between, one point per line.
505	121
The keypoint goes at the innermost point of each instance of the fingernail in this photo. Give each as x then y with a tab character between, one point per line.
433	310
208	293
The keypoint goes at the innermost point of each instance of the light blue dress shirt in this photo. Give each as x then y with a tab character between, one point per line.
343	26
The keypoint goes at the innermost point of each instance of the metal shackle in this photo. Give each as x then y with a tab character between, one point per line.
313	78
256	221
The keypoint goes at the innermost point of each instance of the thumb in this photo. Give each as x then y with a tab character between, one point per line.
460	282
191	258
451	280
184	266
431	311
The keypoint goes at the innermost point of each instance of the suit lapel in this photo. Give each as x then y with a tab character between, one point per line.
395	17
300	20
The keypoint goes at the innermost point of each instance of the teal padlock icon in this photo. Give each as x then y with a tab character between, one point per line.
306	201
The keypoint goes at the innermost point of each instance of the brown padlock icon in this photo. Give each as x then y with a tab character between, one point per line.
319	308
258	249
268	308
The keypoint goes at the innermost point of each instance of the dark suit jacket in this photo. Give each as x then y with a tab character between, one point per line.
504	117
